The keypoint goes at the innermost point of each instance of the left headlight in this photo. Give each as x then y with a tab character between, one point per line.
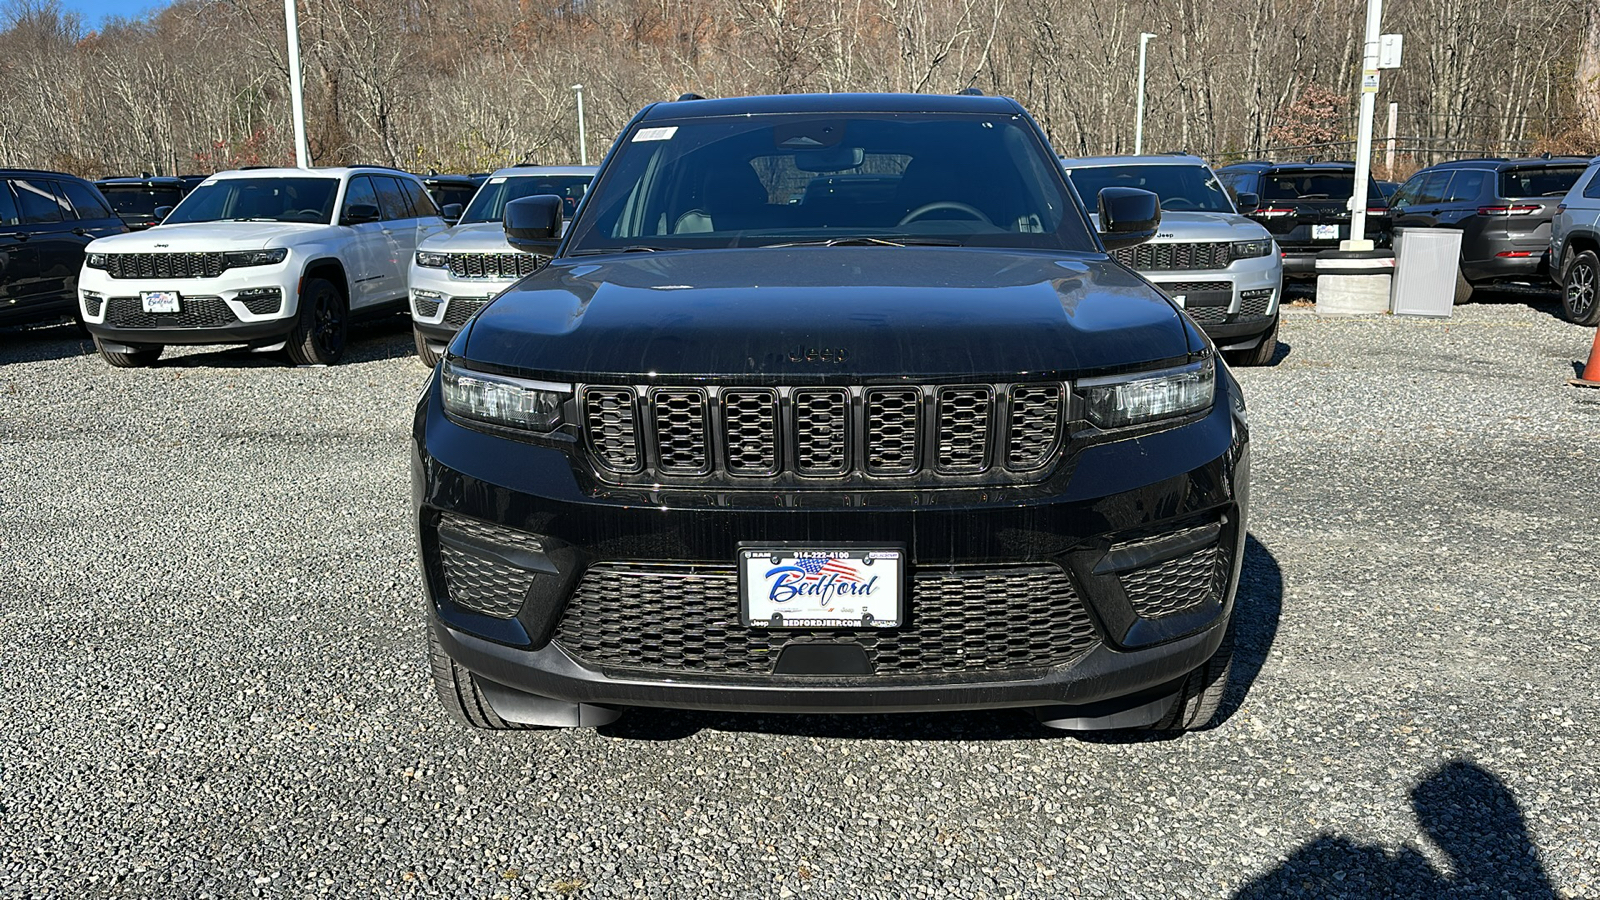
503	400
432	259
1251	249
95	260
1121	400
240	258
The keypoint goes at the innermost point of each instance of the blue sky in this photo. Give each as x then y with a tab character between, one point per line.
95	11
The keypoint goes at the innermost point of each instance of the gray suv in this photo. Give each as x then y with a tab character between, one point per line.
1575	248
1223	268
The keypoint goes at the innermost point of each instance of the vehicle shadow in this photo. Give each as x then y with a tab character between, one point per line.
43	342
1258	609
375	339
1537	297
1466	811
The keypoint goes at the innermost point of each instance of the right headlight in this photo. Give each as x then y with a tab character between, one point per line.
1251	249
432	259
95	260
503	400
1121	400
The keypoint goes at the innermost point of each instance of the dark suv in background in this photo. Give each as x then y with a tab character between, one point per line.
136	200
452	190
46	219
1305	205
1503	208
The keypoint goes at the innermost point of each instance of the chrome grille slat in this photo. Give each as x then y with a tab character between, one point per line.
963	429
680	431
165	265
493	265
1181	255
821	431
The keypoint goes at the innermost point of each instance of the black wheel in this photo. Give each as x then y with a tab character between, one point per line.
319	332
1202	691
425	354
1463	288
460	694
137	357
1580	298
1262	353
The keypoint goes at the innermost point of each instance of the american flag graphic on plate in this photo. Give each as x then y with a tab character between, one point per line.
827	588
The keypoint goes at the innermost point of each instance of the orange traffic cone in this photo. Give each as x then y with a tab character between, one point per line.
1591	371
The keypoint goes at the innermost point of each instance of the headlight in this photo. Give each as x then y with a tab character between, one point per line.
1251	249
432	259
503	400
1122	400
95	260
239	258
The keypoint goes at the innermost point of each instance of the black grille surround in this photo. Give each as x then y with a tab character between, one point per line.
165	265
681	618
460	309
1186	256
193	312
493	265
890	436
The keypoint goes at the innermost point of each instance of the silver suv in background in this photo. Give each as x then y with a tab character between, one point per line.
457	271
1223	268
1575	248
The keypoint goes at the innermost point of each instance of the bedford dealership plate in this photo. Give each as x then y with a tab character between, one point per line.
160	301
1324	232
790	586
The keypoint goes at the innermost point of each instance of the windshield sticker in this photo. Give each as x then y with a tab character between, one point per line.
655	134
497	180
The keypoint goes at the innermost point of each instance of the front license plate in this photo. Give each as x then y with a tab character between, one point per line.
1325	232
160	301
819	587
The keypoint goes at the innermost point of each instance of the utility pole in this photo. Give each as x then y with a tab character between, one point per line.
1369	95
1388	150
1138	117
302	153
583	140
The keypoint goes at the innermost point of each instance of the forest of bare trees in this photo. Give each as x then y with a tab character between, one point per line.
472	84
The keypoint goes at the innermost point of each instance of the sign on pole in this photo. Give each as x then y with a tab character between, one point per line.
1389	50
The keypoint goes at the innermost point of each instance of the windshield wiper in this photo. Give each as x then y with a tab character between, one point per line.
636	248
255	219
867	242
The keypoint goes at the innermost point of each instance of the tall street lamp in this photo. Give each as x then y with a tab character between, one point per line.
1138	117
583	141
302	154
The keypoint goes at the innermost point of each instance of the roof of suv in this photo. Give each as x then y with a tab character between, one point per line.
6	170
1263	165
1164	159
292	172
528	171
806	103
164	181
1498	163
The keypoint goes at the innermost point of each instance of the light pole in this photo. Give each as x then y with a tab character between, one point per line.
1369	96
583	141
302	154
1138	117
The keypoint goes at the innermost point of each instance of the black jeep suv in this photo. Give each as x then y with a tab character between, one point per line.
831	404
1306	206
136	199
46	219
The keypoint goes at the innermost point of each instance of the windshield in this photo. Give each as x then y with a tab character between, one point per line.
489	204
1179	187
139	201
1539	181
259	199
762	180
1304	184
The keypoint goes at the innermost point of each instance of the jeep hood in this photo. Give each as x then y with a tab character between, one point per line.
201	237
791	314
479	237
1183	226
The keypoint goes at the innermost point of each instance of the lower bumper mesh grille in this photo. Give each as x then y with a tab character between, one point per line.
194	312
1178	585
483	585
682	618
460	310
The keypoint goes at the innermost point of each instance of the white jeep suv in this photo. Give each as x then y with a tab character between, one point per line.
455	273
263	257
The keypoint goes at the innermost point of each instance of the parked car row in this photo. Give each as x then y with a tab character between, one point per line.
46	221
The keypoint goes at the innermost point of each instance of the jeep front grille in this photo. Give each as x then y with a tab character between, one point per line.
872	435
165	265
193	312
685	618
494	265
1183	255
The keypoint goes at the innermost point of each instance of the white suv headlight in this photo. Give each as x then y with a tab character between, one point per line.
432	259
503	400
1121	400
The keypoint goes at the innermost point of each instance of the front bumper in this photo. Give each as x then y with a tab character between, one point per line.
227	309
1242	311
441	303
1111	509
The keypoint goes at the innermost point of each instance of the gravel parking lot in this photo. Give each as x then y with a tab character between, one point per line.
214	685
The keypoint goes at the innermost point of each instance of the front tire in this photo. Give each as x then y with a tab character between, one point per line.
1580	294
139	357
459	692
1262	353
322	326
1201	694
425	354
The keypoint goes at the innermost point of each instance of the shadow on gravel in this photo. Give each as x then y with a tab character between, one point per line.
1257	611
40	343
385	338
1466	811
1544	299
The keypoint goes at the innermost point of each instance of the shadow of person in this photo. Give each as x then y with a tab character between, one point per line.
1257	610
1467	812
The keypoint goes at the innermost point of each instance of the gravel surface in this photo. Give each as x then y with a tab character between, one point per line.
213	682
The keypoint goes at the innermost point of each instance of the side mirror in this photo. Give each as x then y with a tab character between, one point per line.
533	224
161	213
1249	202
451	213
357	213
1128	216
